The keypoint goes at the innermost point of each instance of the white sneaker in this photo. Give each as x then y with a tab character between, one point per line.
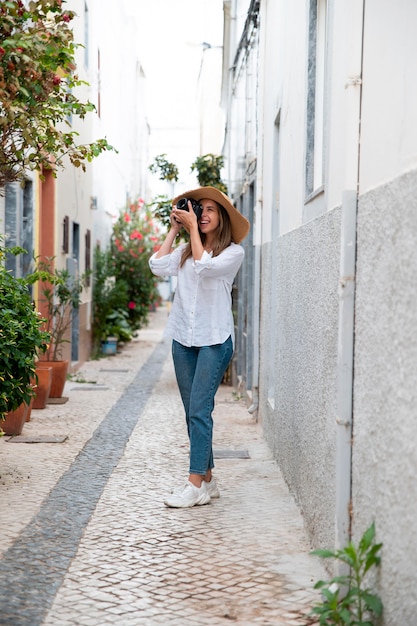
189	496
212	489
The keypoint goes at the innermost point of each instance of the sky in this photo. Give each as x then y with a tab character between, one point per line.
170	38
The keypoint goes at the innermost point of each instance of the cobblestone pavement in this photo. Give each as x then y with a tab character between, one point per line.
86	538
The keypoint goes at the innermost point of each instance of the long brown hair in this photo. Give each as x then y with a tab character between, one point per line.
223	236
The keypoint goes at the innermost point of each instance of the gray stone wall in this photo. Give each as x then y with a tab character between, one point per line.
385	388
300	427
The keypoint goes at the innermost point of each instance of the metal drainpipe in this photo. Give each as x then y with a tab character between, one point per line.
257	227
345	361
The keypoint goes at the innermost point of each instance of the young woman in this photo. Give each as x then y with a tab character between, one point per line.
201	322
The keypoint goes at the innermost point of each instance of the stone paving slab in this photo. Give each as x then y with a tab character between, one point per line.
126	559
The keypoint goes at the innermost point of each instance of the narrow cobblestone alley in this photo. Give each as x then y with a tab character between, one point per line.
86	538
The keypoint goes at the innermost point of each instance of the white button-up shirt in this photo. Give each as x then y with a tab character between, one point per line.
201	313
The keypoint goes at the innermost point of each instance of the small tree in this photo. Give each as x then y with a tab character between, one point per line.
208	168
166	170
37	76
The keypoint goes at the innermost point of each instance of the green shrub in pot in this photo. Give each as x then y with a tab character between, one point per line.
22	338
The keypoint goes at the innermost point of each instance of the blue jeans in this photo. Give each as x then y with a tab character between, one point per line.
199	372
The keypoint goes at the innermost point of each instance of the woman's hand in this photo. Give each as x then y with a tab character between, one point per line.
175	224
171	236
187	219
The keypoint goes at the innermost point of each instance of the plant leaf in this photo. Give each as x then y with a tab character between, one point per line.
367	538
373	602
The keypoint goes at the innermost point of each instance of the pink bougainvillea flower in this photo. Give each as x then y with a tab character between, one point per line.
127	217
135	234
120	248
132	305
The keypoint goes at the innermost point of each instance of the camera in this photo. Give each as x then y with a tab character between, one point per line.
197	208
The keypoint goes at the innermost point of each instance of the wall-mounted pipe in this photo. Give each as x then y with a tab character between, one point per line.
354	26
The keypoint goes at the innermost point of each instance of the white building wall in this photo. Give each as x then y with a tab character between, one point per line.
118	85
369	173
74	186
300	263
107	61
385	392
211	118
389	133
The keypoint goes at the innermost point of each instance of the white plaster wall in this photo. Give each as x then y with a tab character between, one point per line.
74	186
344	67
300	266
211	118
117	177
385	390
389	104
301	258
283	55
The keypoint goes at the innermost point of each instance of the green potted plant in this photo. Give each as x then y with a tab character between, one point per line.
59	296
109	298
117	329
22	339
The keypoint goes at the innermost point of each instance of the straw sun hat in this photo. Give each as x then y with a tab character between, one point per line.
240	225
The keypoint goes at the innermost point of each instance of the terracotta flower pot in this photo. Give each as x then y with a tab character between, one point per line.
30	407
43	387
15	420
59	376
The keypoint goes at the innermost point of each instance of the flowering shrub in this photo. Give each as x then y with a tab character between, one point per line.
37	78
135	237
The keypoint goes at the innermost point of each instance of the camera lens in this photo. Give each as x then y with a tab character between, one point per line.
182	204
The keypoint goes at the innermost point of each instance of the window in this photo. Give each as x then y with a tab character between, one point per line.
315	96
19	225
88	254
65	235
76	242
